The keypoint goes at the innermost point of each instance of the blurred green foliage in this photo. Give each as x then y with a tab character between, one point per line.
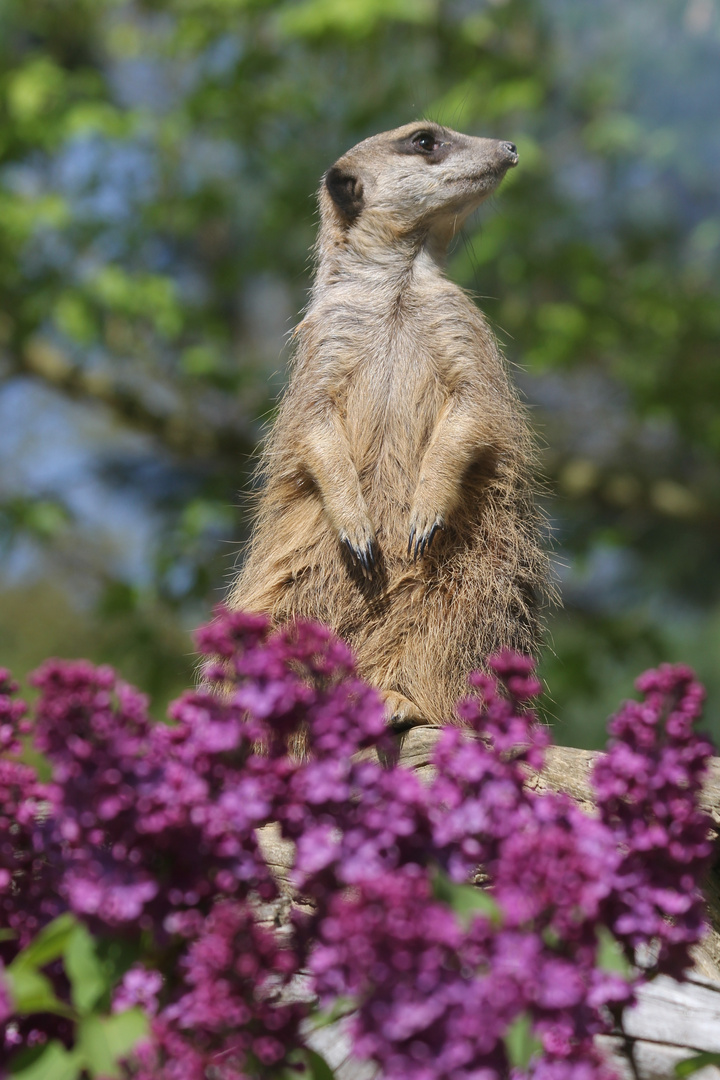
103	1040
158	160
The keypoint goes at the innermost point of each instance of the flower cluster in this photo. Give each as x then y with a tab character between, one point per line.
148	833
229	1013
438	996
647	788
27	851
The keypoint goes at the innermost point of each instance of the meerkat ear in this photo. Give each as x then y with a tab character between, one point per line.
346	191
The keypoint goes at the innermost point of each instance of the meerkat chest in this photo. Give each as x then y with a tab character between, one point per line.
404	342
386	362
396	387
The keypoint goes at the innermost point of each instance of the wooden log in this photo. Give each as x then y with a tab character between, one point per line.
566	769
684	1013
640	1060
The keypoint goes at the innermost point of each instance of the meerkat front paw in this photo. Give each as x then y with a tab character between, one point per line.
360	542
423	527
400	712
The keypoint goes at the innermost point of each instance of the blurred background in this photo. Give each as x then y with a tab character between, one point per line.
158	163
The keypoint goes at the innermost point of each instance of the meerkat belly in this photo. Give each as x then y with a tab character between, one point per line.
391	413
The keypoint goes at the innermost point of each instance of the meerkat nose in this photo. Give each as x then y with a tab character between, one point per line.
511	150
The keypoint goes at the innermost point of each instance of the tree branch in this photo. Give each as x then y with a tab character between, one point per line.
201	427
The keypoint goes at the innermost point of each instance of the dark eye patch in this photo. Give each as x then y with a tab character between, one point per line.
427	143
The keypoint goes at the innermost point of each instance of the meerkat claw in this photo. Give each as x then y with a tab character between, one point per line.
433	531
423	541
363	557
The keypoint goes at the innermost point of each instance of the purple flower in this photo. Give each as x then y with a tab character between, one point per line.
148	832
139	986
647	788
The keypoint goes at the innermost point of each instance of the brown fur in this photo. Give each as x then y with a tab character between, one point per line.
400	416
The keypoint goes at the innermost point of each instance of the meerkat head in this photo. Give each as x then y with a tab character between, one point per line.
418	181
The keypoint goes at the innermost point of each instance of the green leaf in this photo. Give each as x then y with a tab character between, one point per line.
520	1043
342	1006
465	900
201	360
55	1063
610	955
614	133
46	518
315	1064
105	1041
7	935
32	992
319	1068
34	88
49	944
691	1065
551	937
125	1030
89	117
353	17
117	956
85	971
74	317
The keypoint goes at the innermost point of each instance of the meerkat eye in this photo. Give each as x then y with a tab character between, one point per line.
425	142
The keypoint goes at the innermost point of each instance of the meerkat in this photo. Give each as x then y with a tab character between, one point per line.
397	501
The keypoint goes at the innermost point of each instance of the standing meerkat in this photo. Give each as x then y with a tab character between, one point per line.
397	504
